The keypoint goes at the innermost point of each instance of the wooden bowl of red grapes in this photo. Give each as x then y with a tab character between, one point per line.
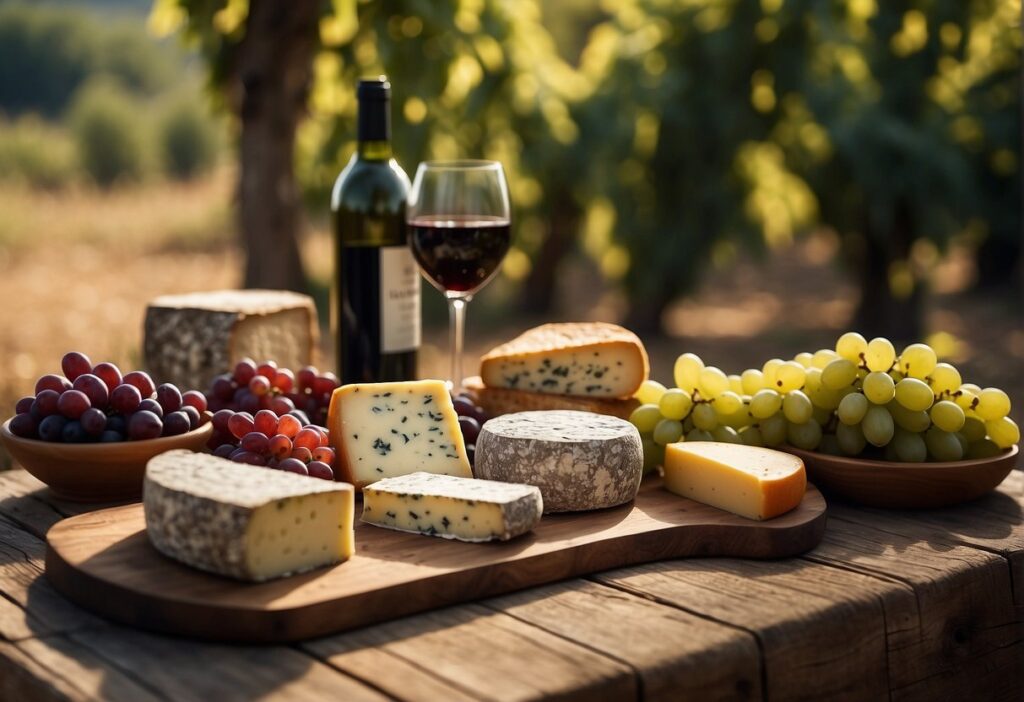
88	432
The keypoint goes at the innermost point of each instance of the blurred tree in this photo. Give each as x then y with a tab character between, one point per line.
921	114
188	139
46	53
108	132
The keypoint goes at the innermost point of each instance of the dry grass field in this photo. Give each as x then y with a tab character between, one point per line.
77	268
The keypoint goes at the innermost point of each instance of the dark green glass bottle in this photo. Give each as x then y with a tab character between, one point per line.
375	306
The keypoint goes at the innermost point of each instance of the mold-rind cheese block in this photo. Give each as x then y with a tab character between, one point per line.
466	509
498	401
188	339
383	430
588	359
753	482
245	523
579	460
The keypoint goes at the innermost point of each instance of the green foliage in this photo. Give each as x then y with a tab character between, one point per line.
46	53
109	130
188	138
36	155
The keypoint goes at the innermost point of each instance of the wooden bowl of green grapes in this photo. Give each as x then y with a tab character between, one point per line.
872	426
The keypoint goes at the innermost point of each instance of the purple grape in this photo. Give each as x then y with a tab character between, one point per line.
176	423
224	450
293	465
151	405
219	438
93	421
240	424
319	469
301	416
45	404
244	371
471	453
195	419
109	374
281	405
111	437
142	382
74	433
220	420
125	399
463	407
249	403
470	429
479	415
23	425
256	442
144	425
94	388
24	405
57	383
253	459
222	388
51	428
194	398
169	397
118	423
75	364
73	403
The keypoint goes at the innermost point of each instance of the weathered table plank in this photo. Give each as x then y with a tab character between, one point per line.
676	655
904	605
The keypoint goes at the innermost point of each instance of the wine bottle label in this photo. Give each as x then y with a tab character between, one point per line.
399	300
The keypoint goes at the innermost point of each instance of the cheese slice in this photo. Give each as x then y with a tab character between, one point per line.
190	338
753	482
589	359
383	430
244	522
453	508
498	401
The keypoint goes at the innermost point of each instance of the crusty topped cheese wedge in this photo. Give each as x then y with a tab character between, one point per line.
582	359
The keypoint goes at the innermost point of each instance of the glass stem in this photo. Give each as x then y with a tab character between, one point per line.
457	327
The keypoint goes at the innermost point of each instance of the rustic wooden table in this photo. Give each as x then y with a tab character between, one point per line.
924	606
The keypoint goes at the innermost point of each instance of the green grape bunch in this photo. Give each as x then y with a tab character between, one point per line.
858	399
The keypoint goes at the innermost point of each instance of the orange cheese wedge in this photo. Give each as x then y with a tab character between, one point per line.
753	482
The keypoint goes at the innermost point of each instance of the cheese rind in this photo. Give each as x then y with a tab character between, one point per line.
498	401
753	482
452	508
245	523
589	359
188	339
383	430
579	460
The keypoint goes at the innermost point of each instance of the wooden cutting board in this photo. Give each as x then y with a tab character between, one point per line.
104	562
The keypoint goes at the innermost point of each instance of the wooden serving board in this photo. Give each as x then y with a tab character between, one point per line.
103	561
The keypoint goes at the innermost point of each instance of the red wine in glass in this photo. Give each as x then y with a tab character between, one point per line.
459	253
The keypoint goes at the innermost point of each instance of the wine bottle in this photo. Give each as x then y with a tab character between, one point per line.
376	298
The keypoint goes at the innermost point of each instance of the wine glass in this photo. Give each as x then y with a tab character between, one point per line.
459	224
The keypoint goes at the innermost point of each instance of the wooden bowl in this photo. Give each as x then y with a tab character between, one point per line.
96	472
906	485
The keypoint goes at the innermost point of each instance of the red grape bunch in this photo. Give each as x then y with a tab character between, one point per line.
99	404
251	387
265	439
471	418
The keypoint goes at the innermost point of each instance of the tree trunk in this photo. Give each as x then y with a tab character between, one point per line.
539	291
880	312
273	75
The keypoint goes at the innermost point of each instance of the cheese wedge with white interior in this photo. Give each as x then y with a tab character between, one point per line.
383	430
243	522
581	359
753	482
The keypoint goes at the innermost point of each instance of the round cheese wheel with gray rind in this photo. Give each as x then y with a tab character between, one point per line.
579	460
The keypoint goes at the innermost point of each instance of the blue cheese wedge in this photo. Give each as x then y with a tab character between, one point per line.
452	508
383	430
579	460
243	522
580	359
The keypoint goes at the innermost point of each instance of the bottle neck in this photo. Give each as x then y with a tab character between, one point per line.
374	150
374	128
